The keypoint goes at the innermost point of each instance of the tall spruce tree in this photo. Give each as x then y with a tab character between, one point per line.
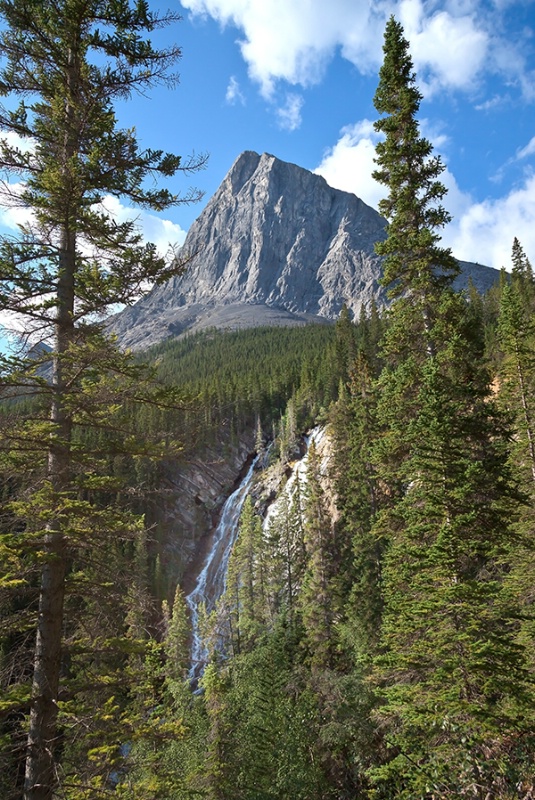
516	378
451	678
245	594
319	598
517	336
64	65
416	266
358	500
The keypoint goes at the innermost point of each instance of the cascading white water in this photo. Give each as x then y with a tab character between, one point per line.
210	583
299	471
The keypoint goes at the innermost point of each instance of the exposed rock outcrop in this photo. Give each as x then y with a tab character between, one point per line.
196	489
275	245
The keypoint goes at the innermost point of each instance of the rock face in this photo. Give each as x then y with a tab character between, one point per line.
275	245
193	493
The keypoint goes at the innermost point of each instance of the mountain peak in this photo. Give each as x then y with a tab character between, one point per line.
274	245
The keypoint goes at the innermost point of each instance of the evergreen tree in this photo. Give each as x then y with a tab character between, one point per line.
516	378
359	499
177	637
451	678
517	338
65	63
318	597
522	269
246	580
416	267
217	762
285	542
346	336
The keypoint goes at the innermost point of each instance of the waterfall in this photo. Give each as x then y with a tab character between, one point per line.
298	471
210	583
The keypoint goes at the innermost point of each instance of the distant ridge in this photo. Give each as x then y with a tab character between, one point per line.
275	245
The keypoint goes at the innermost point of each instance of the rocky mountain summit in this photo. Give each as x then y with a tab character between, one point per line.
275	245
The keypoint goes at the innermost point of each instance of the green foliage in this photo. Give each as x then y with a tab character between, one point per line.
219	372
285	543
380	649
355	431
245	595
451	680
177	637
406	166
516	377
318	598
64	65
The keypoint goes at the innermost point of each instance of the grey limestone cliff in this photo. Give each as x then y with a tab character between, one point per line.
192	493
274	245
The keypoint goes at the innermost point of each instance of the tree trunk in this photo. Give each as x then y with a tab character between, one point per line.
40	777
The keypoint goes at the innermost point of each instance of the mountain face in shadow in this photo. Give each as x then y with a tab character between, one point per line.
275	245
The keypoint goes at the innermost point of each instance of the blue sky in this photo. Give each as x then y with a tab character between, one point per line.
296	78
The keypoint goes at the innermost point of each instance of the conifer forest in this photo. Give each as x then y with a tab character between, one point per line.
375	637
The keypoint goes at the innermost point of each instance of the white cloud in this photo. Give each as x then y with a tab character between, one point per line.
24	143
521	154
528	150
162	232
448	51
289	115
485	231
481	231
453	46
295	40
12	213
433	131
234	94
493	103
349	164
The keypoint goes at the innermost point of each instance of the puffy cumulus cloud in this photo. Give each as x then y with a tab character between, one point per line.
23	143
12	212
165	234
295	40
448	50
162	232
484	232
12	328
480	231
12	215
453	43
289	115
434	131
349	164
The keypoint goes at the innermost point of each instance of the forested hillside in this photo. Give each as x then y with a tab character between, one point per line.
376	639
385	651
295	700
250	374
